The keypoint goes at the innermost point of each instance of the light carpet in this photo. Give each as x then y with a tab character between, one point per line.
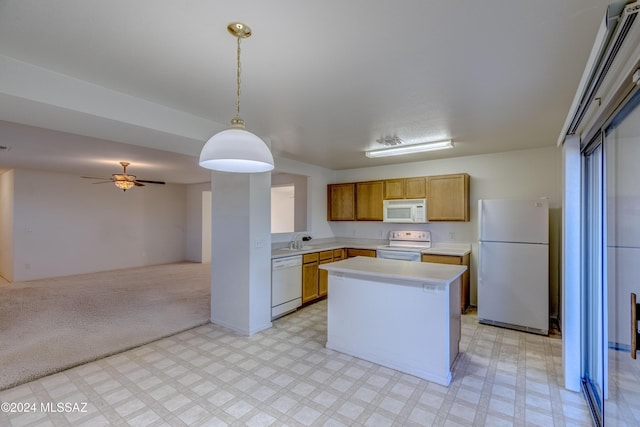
50	325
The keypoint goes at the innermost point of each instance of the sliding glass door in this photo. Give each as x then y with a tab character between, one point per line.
611	269
593	265
622	148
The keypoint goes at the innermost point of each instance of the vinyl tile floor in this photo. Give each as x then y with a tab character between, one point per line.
284	376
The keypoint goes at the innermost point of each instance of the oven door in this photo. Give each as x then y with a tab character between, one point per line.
413	256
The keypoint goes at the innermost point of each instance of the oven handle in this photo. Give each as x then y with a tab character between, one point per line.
403	256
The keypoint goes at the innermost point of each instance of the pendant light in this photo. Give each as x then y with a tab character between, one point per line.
236	149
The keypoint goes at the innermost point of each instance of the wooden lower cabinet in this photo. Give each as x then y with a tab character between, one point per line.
455	260
323	280
323	277
315	282
310	275
351	252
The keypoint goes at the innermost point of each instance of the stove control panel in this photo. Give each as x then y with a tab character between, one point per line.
416	236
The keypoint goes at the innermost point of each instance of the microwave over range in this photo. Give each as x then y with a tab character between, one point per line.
405	211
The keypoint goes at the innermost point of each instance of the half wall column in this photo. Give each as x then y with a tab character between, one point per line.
241	251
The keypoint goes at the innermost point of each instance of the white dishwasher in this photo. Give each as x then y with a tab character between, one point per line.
286	285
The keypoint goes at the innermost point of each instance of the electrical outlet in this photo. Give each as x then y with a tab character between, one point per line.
259	243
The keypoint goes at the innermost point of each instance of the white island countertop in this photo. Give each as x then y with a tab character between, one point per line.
422	272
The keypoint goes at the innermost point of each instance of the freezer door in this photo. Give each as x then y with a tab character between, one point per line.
514	220
513	285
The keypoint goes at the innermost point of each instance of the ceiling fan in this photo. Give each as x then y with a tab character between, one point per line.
122	180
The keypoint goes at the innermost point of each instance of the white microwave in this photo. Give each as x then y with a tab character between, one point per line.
405	210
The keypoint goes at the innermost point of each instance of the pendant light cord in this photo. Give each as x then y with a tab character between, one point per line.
239	69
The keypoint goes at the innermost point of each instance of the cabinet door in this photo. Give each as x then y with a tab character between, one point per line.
369	200
442	259
448	198
351	252
394	188
415	188
341	202
323	279
309	281
465	282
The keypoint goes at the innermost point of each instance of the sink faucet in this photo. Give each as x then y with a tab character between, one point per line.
297	240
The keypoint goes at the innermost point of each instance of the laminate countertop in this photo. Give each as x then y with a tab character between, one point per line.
451	249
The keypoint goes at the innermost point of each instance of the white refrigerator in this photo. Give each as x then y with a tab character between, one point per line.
513	264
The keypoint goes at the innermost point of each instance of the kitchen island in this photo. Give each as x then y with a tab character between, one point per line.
399	314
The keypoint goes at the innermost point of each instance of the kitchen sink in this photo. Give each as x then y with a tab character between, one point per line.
303	248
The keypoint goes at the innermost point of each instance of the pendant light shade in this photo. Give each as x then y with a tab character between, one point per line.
236	149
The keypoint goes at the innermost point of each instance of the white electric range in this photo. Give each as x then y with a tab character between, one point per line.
405	245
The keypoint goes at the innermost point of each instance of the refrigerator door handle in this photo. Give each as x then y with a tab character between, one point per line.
635	335
480	265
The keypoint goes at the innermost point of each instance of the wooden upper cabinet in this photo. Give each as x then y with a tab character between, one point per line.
369	200
405	188
341	202
394	188
415	188
448	198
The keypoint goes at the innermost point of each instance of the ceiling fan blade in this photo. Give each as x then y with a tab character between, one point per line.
150	182
102	182
138	184
94	177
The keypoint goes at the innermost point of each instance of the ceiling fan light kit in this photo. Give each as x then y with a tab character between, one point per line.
401	149
123	180
236	149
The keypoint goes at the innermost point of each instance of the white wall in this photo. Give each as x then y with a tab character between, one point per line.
6	225
514	174
194	224
64	225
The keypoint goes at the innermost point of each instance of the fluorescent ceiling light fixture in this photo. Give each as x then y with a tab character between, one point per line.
409	149
236	149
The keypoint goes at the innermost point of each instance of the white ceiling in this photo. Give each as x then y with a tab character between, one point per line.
149	81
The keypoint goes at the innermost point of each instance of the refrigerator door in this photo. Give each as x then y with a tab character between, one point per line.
518	221
513	285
